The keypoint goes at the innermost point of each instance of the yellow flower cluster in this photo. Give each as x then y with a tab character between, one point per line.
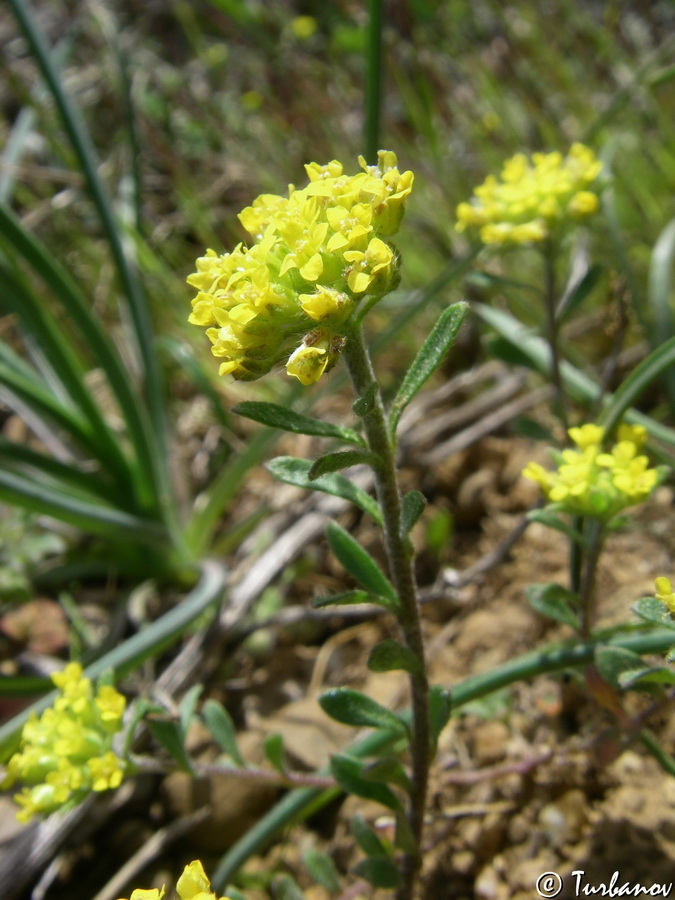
590	482
664	593
314	255
67	752
533	196
192	885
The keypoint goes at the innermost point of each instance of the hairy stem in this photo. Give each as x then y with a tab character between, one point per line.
400	556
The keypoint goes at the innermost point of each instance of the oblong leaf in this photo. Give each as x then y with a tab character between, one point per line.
429	358
275	752
412	506
322	869
613	662
169	735
354	708
359	563
334	462
296	471
440	708
366	838
381	873
348	598
653	610
276	416
219	723
390	655
555	602
346	770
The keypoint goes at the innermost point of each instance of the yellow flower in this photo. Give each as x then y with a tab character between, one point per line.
664	593
67	752
314	255
533	197
590	482
192	885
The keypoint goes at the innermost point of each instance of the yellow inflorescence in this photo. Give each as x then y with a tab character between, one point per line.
192	885
591	482
67	752
664	593
533	197
314	255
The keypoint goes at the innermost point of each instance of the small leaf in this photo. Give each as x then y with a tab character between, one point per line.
286	419
412	507
188	706
354	708
555	602
364	404
347	772
285	888
360	564
548	518
428	359
581	291
381	873
366	838
347	598
612	662
275	753
169	735
652	610
388	770
333	462
652	675
296	471
405	839
440	707
390	655
220	724
322	869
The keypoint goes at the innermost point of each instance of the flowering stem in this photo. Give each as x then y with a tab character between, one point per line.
400	556
550	297
596	539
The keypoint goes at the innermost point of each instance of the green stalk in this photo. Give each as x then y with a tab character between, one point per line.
400	556
297	805
373	101
552	327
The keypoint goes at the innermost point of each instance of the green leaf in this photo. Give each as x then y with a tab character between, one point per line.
651	675
220	724
366	838
333	462
354	708
188	707
412	507
276	416
275	753
322	869
581	291
428	359
381	873
659	293
555	602
169	735
347	772
285	888
652	610
390	655
547	517
296	471
349	598
363	405
405	839
388	770
360	564
613	662
440	708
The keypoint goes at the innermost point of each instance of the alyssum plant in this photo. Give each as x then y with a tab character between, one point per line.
318	261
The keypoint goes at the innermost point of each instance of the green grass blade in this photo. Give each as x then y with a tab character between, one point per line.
43	263
373	98
86	513
659	292
135	296
148	643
